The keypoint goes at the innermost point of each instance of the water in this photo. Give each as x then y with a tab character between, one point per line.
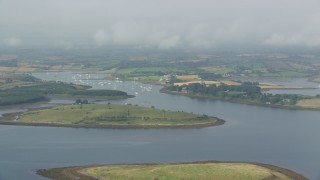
288	138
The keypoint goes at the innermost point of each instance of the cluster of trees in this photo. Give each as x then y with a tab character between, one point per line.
247	88
247	91
80	101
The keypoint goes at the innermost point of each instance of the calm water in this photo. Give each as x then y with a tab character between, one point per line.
282	137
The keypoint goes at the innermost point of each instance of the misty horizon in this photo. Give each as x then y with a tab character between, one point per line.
161	24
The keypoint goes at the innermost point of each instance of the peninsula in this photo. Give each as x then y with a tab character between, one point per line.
244	93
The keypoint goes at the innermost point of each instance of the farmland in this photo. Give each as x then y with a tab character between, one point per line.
151	65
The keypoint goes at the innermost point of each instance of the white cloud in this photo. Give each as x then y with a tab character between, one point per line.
169	42
63	44
165	23
12	41
101	37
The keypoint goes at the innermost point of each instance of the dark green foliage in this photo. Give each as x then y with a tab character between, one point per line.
247	91
49	88
39	91
79	101
11	98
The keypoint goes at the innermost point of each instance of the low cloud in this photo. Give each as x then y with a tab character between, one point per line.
101	37
12	41
170	42
63	44
164	24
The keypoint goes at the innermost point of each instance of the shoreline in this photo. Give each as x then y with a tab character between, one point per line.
91	98
162	90
299	88
73	171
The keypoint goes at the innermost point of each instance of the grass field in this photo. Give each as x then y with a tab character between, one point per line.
126	71
230	83
309	103
284	74
95	114
188	77
227	82
204	171
267	87
148	78
300	66
199	81
316	80
149	71
217	70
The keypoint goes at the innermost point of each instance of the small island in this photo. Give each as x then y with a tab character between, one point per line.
195	170
109	116
18	89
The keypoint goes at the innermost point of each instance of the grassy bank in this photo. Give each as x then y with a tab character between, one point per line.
110	116
195	170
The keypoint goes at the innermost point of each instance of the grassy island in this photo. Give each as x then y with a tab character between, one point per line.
112	116
198	170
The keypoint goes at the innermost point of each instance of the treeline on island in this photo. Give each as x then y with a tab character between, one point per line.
248	92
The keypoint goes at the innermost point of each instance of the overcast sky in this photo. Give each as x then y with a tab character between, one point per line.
161	23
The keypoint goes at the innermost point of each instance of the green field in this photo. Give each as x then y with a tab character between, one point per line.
184	171
217	70
153	74
285	74
150	70
149	78
94	114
